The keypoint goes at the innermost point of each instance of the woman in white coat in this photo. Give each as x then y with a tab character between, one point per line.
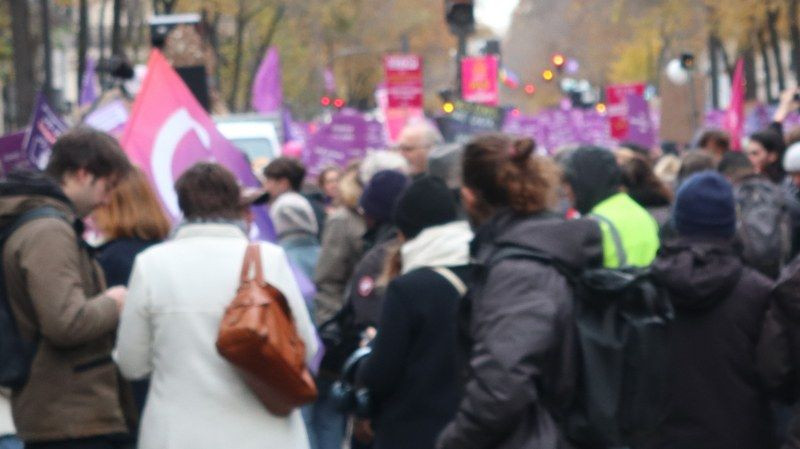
178	293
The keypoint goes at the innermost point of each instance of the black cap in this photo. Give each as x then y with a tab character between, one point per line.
427	202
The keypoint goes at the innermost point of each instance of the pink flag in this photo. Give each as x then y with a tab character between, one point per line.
267	85
734	116
169	131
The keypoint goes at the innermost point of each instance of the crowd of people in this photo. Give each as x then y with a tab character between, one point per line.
422	330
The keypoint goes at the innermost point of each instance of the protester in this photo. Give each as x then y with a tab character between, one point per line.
765	150
342	248
716	143
284	176
519	313
178	293
131	222
645	188
377	204
73	396
736	167
328	182
791	164
415	143
296	230
412	371
595	183
716	398
379	161
692	162
666	169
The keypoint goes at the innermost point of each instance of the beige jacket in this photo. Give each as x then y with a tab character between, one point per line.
54	288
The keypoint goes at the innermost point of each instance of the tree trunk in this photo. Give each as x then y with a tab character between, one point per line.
794	30
762	46
101	40
48	50
211	25
749	55
116	29
714	63
23	62
241	21
83	40
773	13
265	44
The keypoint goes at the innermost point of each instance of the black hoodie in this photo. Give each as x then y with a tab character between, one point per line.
717	399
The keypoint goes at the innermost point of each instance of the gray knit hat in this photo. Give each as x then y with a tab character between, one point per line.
291	213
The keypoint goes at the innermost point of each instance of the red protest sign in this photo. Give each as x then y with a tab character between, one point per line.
404	80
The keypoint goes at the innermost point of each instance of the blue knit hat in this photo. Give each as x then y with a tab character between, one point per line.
705	206
381	194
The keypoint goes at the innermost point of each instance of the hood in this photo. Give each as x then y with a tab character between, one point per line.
697	273
576	244
787	290
23	191
594	175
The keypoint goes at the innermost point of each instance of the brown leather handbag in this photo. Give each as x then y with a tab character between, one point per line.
258	336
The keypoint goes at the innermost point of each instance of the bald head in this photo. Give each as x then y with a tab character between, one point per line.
415	142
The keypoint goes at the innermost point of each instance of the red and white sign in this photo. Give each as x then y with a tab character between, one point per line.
479	82
617	102
404	80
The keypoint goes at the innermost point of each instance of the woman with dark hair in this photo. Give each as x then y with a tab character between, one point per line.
519	312
645	188
179	291
765	150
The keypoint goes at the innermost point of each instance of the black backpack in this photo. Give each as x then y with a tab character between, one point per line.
764	226
16	353
622	321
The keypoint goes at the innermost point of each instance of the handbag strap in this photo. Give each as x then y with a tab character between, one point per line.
252	256
453	279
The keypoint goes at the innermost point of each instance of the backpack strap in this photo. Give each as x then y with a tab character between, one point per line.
622	256
33	214
453	279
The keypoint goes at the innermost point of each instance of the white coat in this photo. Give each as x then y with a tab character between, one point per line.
178	293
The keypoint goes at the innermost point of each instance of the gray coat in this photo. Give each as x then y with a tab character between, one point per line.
522	358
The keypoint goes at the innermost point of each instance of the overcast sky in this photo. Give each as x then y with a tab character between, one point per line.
495	13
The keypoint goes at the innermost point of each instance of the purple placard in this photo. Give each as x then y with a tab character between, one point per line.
348	136
12	154
45	128
640	126
553	129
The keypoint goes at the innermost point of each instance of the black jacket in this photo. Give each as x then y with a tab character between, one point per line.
521	372
717	399
412	372
117	256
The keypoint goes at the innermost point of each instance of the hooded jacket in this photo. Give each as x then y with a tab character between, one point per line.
55	288
519	315
717	398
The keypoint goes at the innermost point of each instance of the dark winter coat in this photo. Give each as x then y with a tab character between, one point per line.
717	400
521	372
412	373
779	351
117	256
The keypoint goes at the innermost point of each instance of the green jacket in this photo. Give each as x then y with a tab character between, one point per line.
637	228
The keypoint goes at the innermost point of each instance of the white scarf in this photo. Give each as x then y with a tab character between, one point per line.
439	246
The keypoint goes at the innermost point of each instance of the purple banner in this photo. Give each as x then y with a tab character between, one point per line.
45	128
12	154
553	129
347	137
88	93
268	86
110	118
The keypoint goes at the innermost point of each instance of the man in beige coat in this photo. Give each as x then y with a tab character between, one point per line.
59	300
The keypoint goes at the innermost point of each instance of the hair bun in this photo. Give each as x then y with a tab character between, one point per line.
522	149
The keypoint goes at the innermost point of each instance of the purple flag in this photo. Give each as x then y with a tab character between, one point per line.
45	128
267	86
640	127
88	86
12	153
330	80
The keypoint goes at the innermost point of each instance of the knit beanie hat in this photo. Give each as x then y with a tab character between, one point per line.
427	202
291	213
791	160
705	206
380	195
